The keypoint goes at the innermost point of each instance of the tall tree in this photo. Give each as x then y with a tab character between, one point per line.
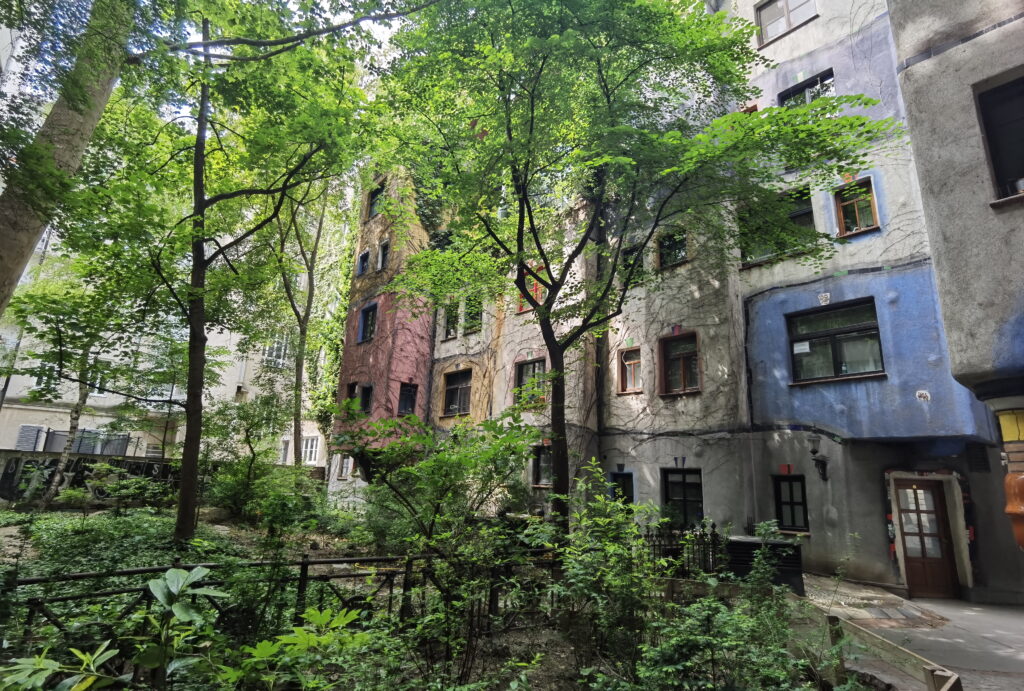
83	48
564	136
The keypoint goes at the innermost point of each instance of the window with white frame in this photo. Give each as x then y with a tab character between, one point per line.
275	353
383	250
310	450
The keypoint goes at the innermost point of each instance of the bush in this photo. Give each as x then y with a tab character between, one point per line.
67	544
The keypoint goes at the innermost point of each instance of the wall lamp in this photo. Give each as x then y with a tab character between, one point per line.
820	459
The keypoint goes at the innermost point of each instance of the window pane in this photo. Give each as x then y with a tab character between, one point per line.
673	375
929	524
772	18
816	362
859	353
925	500
913	546
681	346
784	491
787	515
932	548
800	516
910	523
798	492
865	213
692	375
800	11
833	319
907	500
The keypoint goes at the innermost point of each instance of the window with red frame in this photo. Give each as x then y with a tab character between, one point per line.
629	370
680	364
535	289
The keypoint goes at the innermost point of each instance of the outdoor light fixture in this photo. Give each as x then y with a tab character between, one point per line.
820	459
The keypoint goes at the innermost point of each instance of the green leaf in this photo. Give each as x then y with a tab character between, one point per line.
158	587
181	663
175	579
186	612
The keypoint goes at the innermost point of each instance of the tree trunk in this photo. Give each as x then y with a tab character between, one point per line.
57	479
58	147
559	431
188	493
300	365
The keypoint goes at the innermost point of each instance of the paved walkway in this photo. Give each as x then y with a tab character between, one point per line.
984	644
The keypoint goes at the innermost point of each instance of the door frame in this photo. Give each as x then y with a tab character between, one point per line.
954	515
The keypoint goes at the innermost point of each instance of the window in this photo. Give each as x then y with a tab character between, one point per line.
820	85
855	208
310	449
451	320
99	381
275	353
535	289
46	376
382	255
776	17
622	487
366	398
457	386
542	475
671	249
836	342
680	364
407	399
363	263
284	450
764	235
154	450
682	497
375	202
629	370
367	323
790	502
353	391
474	315
526	372
1002	117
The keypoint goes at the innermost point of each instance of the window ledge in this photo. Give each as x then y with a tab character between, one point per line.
366	340
629	392
850	377
859	231
449	338
451	415
795	533
674	394
541	486
787	32
1007	201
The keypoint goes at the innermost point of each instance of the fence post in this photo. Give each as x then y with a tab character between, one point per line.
300	595
835	638
405	608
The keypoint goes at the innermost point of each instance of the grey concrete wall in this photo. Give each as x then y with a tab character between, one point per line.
977	245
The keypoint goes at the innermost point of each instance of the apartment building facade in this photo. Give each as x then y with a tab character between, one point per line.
835	398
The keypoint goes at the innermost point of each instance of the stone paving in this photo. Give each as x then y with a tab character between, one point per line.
984	644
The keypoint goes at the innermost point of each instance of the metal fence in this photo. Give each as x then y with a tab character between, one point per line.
24	472
701	549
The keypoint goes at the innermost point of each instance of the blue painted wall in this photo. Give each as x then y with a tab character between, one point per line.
913	350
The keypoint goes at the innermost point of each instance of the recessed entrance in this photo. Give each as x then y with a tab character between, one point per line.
928	558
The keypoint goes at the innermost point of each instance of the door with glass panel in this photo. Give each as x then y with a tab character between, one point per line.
927	546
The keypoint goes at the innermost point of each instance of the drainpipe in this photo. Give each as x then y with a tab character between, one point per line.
1011	425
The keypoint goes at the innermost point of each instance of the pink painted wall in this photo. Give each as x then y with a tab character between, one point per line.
399	352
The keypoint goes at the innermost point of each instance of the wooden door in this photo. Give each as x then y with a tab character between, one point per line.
927	545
